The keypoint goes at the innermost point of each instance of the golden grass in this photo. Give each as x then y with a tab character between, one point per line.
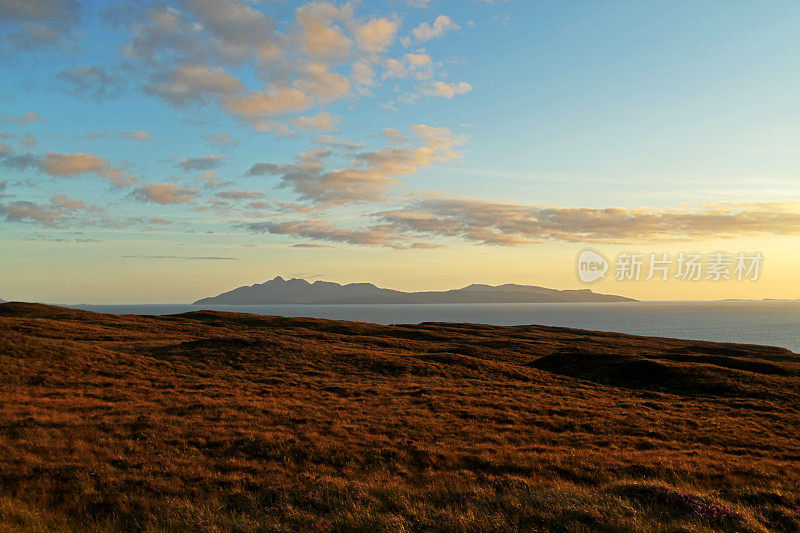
228	422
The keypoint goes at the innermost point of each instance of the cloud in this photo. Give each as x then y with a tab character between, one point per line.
324	232
38	23
419	65
20	120
160	36
376	35
58	164
138	135
278	100
234	194
363	76
92	82
165	193
323	84
321	35
223	139
28	141
185	52
394	136
59	211
318	122
200	163
62	201
280	207
189	258
209	180
513	225
369	174
310	245
505	224
239	31
448	90
20	161
30	212
426	32
273	126
52	239
260	169
338	142
193	83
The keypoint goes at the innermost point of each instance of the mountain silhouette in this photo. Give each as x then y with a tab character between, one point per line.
300	291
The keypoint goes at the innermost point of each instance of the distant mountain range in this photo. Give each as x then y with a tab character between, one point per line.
300	291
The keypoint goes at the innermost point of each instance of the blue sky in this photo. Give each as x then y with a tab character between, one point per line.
417	144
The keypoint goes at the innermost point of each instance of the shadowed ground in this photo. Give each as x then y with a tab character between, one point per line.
212	421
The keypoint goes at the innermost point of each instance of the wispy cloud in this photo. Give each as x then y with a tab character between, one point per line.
235	194
205	52
447	90
138	135
180	257
500	224
427	31
222	139
58	164
192	83
200	163
39	23
94	82
20	120
59	211
165	193
318	230
513	225
369	175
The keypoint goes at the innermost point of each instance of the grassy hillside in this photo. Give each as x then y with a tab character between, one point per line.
214	421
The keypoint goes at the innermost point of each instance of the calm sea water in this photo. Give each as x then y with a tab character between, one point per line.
770	323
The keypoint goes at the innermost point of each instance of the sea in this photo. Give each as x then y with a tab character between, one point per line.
773	323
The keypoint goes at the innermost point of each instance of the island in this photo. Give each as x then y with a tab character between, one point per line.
299	291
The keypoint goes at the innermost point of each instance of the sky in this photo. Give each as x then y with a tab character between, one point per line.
158	152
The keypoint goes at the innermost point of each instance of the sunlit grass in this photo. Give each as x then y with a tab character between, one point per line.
223	422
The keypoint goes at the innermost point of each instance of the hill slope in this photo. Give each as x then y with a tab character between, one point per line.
300	291
222	421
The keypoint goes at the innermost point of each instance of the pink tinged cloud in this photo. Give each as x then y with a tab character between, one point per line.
58	164
165	193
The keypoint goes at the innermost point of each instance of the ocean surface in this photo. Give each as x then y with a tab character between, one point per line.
774	323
